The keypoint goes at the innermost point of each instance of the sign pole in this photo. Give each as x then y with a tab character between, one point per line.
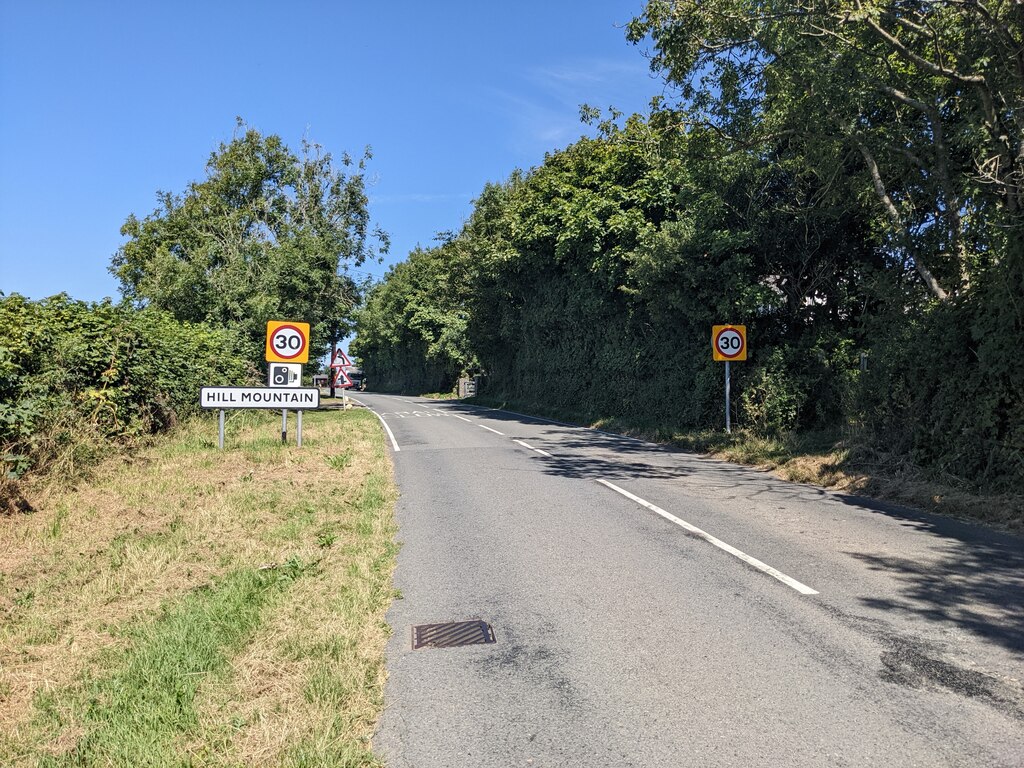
298	429
728	417
284	426
728	344
220	434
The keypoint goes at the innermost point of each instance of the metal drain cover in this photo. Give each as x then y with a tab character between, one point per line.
451	634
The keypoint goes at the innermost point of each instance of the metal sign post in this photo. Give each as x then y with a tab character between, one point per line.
339	362
341	379
287	348
728	417
298	428
728	343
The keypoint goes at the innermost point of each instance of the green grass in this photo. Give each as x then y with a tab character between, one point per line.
441	395
340	460
204	607
136	714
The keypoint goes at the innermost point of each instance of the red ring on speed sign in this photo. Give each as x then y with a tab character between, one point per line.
729	343
280	351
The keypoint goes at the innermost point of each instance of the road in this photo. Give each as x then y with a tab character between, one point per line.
657	608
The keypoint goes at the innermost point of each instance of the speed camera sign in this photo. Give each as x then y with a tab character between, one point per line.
729	342
287	342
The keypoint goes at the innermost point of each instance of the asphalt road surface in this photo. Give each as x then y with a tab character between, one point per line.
656	608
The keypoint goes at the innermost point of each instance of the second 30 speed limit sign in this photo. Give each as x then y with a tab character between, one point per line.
287	342
729	342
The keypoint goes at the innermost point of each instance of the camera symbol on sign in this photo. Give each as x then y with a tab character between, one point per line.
284	375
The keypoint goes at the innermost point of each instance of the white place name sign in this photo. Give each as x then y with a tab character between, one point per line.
291	398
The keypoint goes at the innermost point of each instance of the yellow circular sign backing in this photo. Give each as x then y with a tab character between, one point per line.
287	342
729	342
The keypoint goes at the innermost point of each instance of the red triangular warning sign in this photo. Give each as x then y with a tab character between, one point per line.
339	359
342	380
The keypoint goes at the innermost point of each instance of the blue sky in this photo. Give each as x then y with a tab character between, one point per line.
102	104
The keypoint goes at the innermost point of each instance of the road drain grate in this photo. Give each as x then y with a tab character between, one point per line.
451	634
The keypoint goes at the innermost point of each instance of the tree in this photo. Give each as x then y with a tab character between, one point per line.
927	95
917	107
412	329
267	234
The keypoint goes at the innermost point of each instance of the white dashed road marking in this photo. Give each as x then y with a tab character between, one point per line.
535	450
788	581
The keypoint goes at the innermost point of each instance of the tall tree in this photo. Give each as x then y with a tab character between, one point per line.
412	328
929	96
266	234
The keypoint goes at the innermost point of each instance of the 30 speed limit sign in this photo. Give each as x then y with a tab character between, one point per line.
729	342
287	342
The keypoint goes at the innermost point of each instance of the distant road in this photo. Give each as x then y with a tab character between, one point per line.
656	608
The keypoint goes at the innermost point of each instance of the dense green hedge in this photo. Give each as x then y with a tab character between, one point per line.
413	328
847	185
591	283
75	376
945	386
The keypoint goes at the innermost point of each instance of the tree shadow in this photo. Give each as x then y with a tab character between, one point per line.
973	577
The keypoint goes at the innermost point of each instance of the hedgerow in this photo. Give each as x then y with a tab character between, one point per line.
77	378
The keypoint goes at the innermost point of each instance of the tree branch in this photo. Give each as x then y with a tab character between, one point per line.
894	216
922	62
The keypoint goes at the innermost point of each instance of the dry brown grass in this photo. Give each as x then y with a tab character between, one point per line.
93	560
315	650
898	484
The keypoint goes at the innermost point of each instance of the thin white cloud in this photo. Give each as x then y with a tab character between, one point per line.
605	82
545	111
536	119
585	74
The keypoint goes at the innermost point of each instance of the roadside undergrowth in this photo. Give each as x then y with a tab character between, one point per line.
201	607
827	459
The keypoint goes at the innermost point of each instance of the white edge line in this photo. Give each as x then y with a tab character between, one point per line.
387	429
491	430
394	443
461	417
753	561
535	450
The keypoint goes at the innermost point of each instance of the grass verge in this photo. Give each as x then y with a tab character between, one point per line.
829	460
203	608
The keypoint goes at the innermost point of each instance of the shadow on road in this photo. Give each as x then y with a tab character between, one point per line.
972	577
